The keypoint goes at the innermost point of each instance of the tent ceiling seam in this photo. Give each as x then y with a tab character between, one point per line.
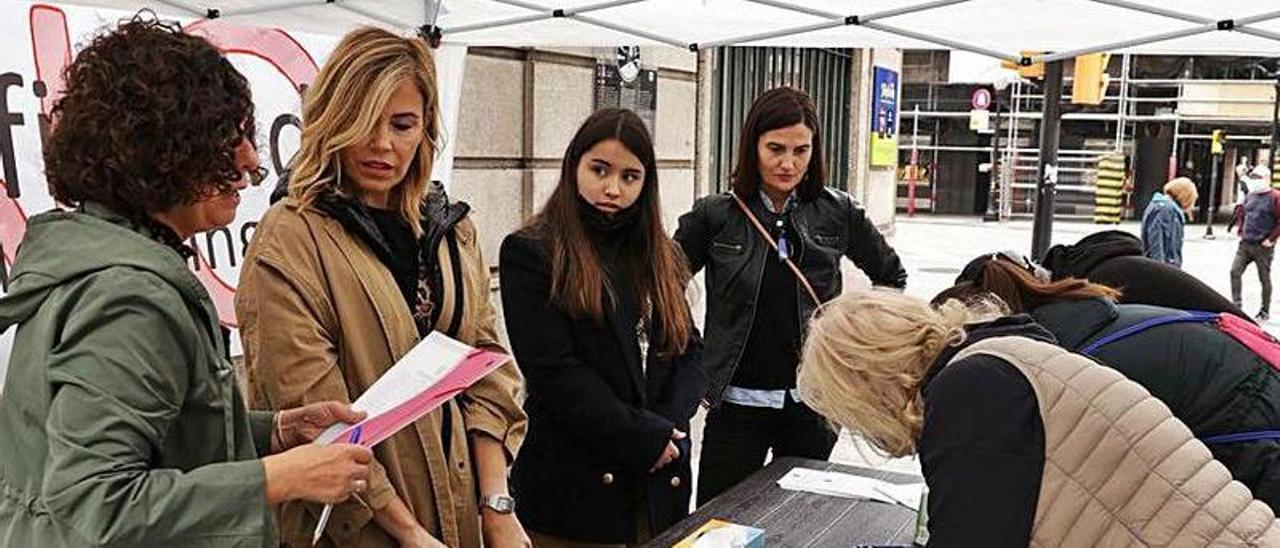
1202	24
867	21
1238	24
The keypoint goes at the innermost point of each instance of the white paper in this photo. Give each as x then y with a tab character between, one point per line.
906	494
839	484
423	366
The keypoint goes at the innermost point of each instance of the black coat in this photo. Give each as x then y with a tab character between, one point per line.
1210	381
717	235
982	443
597	424
1114	259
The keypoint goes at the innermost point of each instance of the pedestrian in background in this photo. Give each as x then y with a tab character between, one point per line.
1258	232
1162	222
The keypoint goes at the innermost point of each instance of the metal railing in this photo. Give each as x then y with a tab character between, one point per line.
1122	106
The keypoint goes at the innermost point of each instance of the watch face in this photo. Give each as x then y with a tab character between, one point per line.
502	504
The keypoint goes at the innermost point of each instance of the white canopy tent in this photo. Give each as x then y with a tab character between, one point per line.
1023	31
997	28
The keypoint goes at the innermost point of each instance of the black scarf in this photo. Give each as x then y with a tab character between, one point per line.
602	224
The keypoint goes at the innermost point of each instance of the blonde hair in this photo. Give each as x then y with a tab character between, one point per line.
1183	191
344	106
866	357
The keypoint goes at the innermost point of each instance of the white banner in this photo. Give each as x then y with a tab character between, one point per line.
40	39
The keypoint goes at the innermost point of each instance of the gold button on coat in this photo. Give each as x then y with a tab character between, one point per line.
675	481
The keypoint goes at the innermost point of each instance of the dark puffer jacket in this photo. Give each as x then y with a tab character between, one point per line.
1210	381
1114	259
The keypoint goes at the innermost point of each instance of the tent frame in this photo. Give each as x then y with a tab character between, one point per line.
1202	25
1050	121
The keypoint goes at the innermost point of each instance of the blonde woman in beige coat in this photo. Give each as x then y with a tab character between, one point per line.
1021	442
362	259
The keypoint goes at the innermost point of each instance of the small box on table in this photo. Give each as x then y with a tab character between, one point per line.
722	534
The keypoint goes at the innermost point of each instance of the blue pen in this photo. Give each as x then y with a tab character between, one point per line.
328	508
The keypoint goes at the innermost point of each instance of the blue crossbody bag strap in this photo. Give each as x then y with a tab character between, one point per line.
1180	317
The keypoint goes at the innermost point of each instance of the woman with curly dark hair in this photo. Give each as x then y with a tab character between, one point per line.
121	418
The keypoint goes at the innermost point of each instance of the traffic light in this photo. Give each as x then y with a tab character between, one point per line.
1030	72
1089	86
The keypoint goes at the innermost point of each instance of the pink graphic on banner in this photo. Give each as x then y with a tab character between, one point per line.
274	46
52	46
13	226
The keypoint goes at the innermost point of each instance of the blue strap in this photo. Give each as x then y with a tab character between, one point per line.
1242	436
1180	317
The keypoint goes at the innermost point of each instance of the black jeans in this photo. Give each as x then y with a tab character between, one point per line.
737	439
1261	256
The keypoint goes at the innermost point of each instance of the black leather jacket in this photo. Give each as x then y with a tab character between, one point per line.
718	236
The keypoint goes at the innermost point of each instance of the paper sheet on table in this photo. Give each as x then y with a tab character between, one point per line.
435	370
839	484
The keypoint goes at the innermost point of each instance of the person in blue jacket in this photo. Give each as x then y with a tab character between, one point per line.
1162	222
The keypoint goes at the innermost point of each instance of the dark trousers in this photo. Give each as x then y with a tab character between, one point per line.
1261	256
737	439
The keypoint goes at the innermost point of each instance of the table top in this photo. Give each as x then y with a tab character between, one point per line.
801	519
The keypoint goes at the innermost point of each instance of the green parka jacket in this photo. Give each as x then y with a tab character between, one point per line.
120	421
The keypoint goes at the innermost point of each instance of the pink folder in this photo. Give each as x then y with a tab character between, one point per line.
471	369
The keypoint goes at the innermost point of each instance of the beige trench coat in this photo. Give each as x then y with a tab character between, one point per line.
322	319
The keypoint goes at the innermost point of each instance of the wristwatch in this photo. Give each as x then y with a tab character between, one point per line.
501	503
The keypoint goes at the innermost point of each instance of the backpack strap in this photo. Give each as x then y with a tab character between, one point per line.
1257	435
1180	317
1184	317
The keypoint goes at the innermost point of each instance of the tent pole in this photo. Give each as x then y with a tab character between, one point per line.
783	33
1113	46
499	23
543	13
1239	25
633	32
942	41
1046	186
869	20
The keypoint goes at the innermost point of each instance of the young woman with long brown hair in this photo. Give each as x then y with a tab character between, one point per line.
593	294
1219	387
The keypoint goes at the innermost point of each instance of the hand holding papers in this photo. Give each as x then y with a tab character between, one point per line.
328	508
435	370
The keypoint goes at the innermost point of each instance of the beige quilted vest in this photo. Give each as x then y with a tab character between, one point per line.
1119	469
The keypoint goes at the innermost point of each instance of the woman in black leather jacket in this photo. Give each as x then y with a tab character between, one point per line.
757	305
